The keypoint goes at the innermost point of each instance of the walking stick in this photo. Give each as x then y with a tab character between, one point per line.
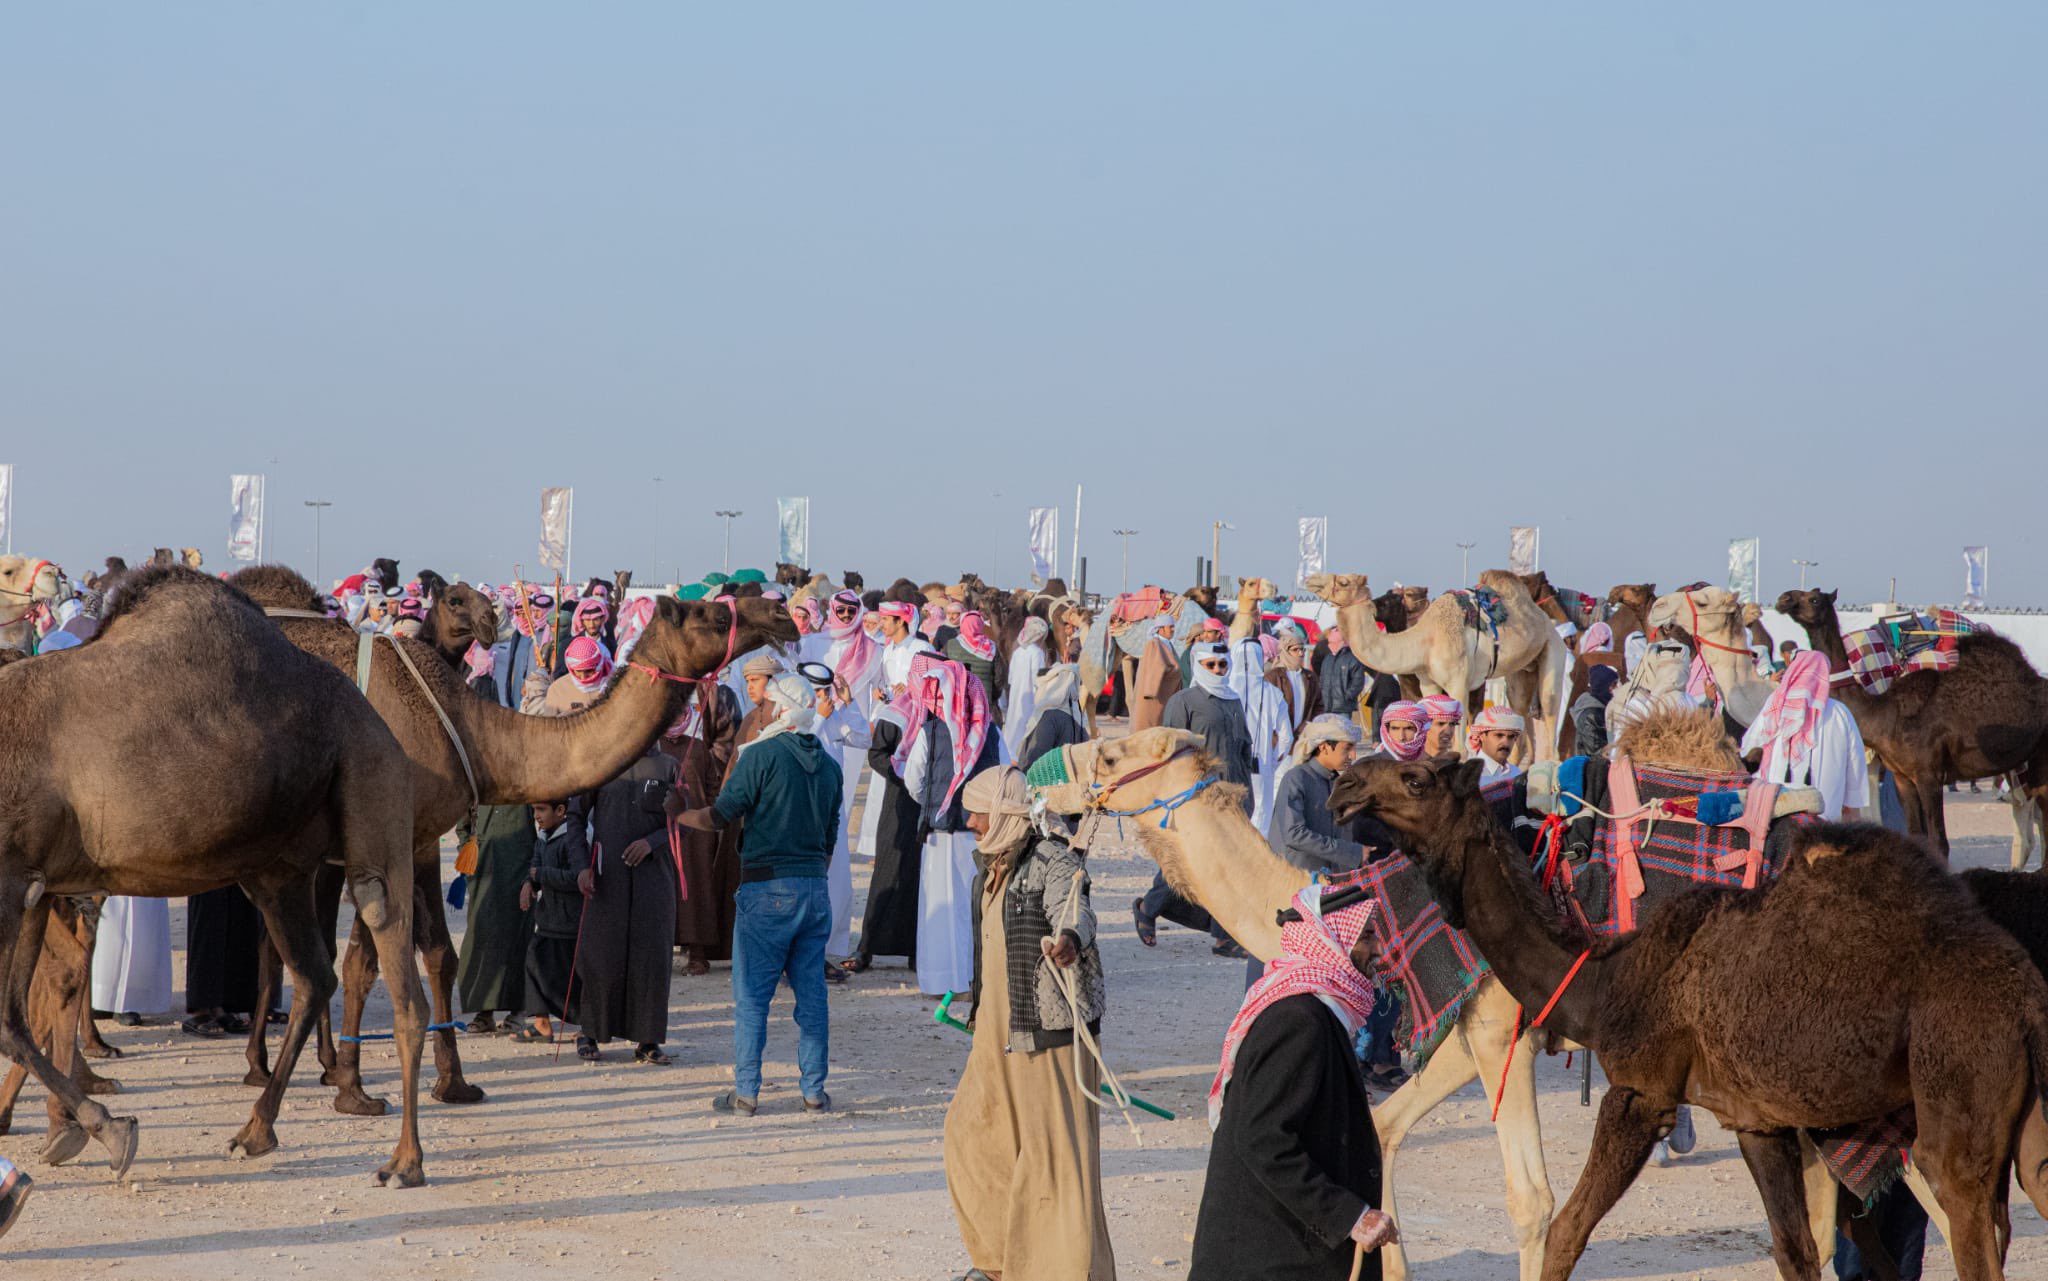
944	1017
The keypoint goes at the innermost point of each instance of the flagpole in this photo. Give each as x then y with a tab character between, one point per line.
1074	553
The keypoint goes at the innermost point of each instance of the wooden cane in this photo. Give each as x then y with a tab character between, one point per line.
1357	1261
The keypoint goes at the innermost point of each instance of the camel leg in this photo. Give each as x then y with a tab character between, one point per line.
60	1002
269	974
22	929
1923	1192
1447	1071
1627	1128
1486	1027
293	929
1933	828
93	1045
358	973
437	948
1773	1161
327	886
389	910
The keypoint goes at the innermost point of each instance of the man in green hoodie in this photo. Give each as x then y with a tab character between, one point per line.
786	787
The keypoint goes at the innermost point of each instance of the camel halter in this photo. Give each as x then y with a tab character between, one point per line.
366	648
1099	793
28	609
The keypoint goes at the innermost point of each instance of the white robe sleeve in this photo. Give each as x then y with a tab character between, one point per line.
917	764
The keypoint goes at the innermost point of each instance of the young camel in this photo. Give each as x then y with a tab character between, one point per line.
1211	853
276	767
1800	1005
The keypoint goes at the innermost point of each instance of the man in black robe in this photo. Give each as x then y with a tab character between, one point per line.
1294	1167
888	926
629	924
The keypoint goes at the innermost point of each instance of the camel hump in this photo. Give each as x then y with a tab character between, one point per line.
275	587
169	586
1505	585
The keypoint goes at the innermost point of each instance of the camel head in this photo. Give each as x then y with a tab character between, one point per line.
1431	803
1065	783
1204	597
190	558
695	638
1752	613
1637	596
1414	599
1340	589
460	616
789	575
1808	607
26	578
1391	609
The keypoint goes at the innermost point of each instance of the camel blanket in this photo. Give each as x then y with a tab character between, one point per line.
1868	1158
1880	655
1482	608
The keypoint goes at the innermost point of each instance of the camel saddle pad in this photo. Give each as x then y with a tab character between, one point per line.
1435	966
1481	608
1672	855
1868	1158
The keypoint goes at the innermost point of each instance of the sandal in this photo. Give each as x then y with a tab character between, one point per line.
482	1025
858	964
234	1024
1148	928
586	1049
652	1054
208	1028
531	1035
730	1101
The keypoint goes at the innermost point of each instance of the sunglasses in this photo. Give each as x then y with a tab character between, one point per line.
844	611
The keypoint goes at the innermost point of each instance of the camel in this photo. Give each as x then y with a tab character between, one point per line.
1211	853
1627	606
58	998
516	759
247	762
25	584
1709	619
1454	659
1744	1002
1986	717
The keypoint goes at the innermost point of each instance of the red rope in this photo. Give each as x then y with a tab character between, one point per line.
1555	997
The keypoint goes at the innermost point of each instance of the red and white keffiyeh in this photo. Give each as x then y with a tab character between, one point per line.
1786	725
944	689
1442	707
974	637
1315	959
856	648
588	664
934	619
1494	718
634	616
1405	712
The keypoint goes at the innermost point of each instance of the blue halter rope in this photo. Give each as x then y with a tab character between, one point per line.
1167	803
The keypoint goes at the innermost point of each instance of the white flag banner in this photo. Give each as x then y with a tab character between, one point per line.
1744	555
557	512
1976	576
1525	549
1045	544
245	524
1315	548
793	523
7	505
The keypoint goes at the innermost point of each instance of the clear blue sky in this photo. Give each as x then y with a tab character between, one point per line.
1649	278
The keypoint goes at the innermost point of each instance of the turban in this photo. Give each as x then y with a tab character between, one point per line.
902	609
1442	707
1327	728
1000	792
588	663
762	665
1404	713
1494	718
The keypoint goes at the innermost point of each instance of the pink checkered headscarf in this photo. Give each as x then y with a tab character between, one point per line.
1315	959
634	616
974	637
1792	714
588	663
1405	712
934	619
944	689
1442	707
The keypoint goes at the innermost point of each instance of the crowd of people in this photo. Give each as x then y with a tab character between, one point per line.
898	730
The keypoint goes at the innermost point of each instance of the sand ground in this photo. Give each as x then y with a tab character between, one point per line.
625	1171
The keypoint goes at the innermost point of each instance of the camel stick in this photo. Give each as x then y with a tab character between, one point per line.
943	1016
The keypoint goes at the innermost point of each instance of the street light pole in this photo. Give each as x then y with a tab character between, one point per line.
1125	534
1216	529
1804	565
318	505
1465	563
729	516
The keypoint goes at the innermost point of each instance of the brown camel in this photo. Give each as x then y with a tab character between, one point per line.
1455	659
1627	607
275	766
58	998
1391	610
1799	1005
458	617
1986	717
516	759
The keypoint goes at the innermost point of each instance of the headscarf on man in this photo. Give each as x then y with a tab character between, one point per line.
1215	683
1327	728
1001	793
974	637
940	688
634	616
1599	638
794	703
1314	960
1036	631
1405	712
1057	689
1442	707
587	663
1292	646
934	619
1494	718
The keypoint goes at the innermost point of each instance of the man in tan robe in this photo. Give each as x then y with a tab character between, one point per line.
1158	677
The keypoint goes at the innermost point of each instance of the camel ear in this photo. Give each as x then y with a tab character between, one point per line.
1831	595
1465	778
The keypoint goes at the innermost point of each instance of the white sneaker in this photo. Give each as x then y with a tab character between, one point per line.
1683	1137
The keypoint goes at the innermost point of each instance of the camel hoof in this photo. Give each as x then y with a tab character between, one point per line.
256	1139
99	1051
411	1174
65	1145
357	1103
99	1085
457	1092
256	1079
335	1077
121	1135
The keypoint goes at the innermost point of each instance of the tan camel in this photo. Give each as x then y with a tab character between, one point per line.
25	582
1712	619
1450	658
516	760
253	765
1212	854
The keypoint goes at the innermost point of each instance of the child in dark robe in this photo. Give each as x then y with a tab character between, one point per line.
555	890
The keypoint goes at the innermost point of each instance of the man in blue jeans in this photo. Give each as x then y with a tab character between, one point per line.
786	786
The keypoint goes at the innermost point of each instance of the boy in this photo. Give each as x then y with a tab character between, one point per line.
563	879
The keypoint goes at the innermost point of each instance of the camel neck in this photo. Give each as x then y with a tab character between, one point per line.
1519	933
1213	849
522	759
1392	652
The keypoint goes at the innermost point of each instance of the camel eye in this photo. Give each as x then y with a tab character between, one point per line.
1415	784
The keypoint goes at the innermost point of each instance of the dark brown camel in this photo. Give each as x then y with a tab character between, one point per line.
1987	717
517	760
1390	607
1818	1001
458	617
249	763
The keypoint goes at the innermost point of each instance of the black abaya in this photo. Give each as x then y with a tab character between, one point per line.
889	925
223	943
629	926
